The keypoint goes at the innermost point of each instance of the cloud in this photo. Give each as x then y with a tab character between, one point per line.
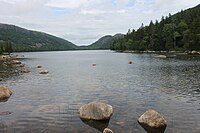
98	12
67	3
92	12
84	21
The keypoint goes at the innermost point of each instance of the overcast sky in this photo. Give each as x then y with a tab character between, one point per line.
84	21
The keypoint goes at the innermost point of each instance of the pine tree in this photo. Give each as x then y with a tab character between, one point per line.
8	47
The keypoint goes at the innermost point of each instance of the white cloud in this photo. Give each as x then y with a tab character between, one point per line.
99	12
67	3
84	21
12	1
92	12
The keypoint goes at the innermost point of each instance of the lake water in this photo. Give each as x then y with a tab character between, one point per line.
50	103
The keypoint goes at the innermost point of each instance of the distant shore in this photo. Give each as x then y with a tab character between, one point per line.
165	52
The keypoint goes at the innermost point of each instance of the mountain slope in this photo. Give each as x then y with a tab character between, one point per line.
180	32
27	40
104	42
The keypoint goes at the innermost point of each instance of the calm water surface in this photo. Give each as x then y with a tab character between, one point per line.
49	103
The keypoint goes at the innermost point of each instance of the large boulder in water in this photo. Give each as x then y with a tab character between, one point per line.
5	93
153	122
96	111
43	72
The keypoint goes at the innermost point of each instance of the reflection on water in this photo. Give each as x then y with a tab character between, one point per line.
4	100
99	125
49	103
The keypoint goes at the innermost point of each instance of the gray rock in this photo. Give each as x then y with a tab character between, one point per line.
153	122
16	62
43	72
25	70
39	66
16	71
5	93
22	65
96	111
107	130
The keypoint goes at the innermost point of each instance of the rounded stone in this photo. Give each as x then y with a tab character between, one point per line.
5	93
43	72
107	130
152	122
39	66
96	111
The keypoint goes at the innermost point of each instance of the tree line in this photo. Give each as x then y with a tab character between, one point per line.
180	32
6	47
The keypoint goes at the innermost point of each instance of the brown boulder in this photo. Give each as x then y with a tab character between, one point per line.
153	122
96	111
5	93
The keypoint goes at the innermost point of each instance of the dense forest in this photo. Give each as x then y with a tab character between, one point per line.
103	43
180	32
26	40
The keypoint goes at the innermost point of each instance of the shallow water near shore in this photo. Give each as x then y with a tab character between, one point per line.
50	103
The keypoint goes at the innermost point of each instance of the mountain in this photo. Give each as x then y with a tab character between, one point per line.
180	32
27	40
104	42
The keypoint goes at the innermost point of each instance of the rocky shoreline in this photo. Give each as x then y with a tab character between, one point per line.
164	52
10	65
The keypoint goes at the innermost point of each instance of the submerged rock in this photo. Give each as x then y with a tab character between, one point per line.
96	111
5	93
25	70
120	123
107	130
43	72
39	66
130	62
99	125
5	113
153	122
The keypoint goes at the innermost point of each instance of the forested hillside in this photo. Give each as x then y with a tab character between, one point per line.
26	40
175	32
104	42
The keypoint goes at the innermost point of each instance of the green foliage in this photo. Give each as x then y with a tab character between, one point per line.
104	43
1	49
6	47
26	40
174	32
